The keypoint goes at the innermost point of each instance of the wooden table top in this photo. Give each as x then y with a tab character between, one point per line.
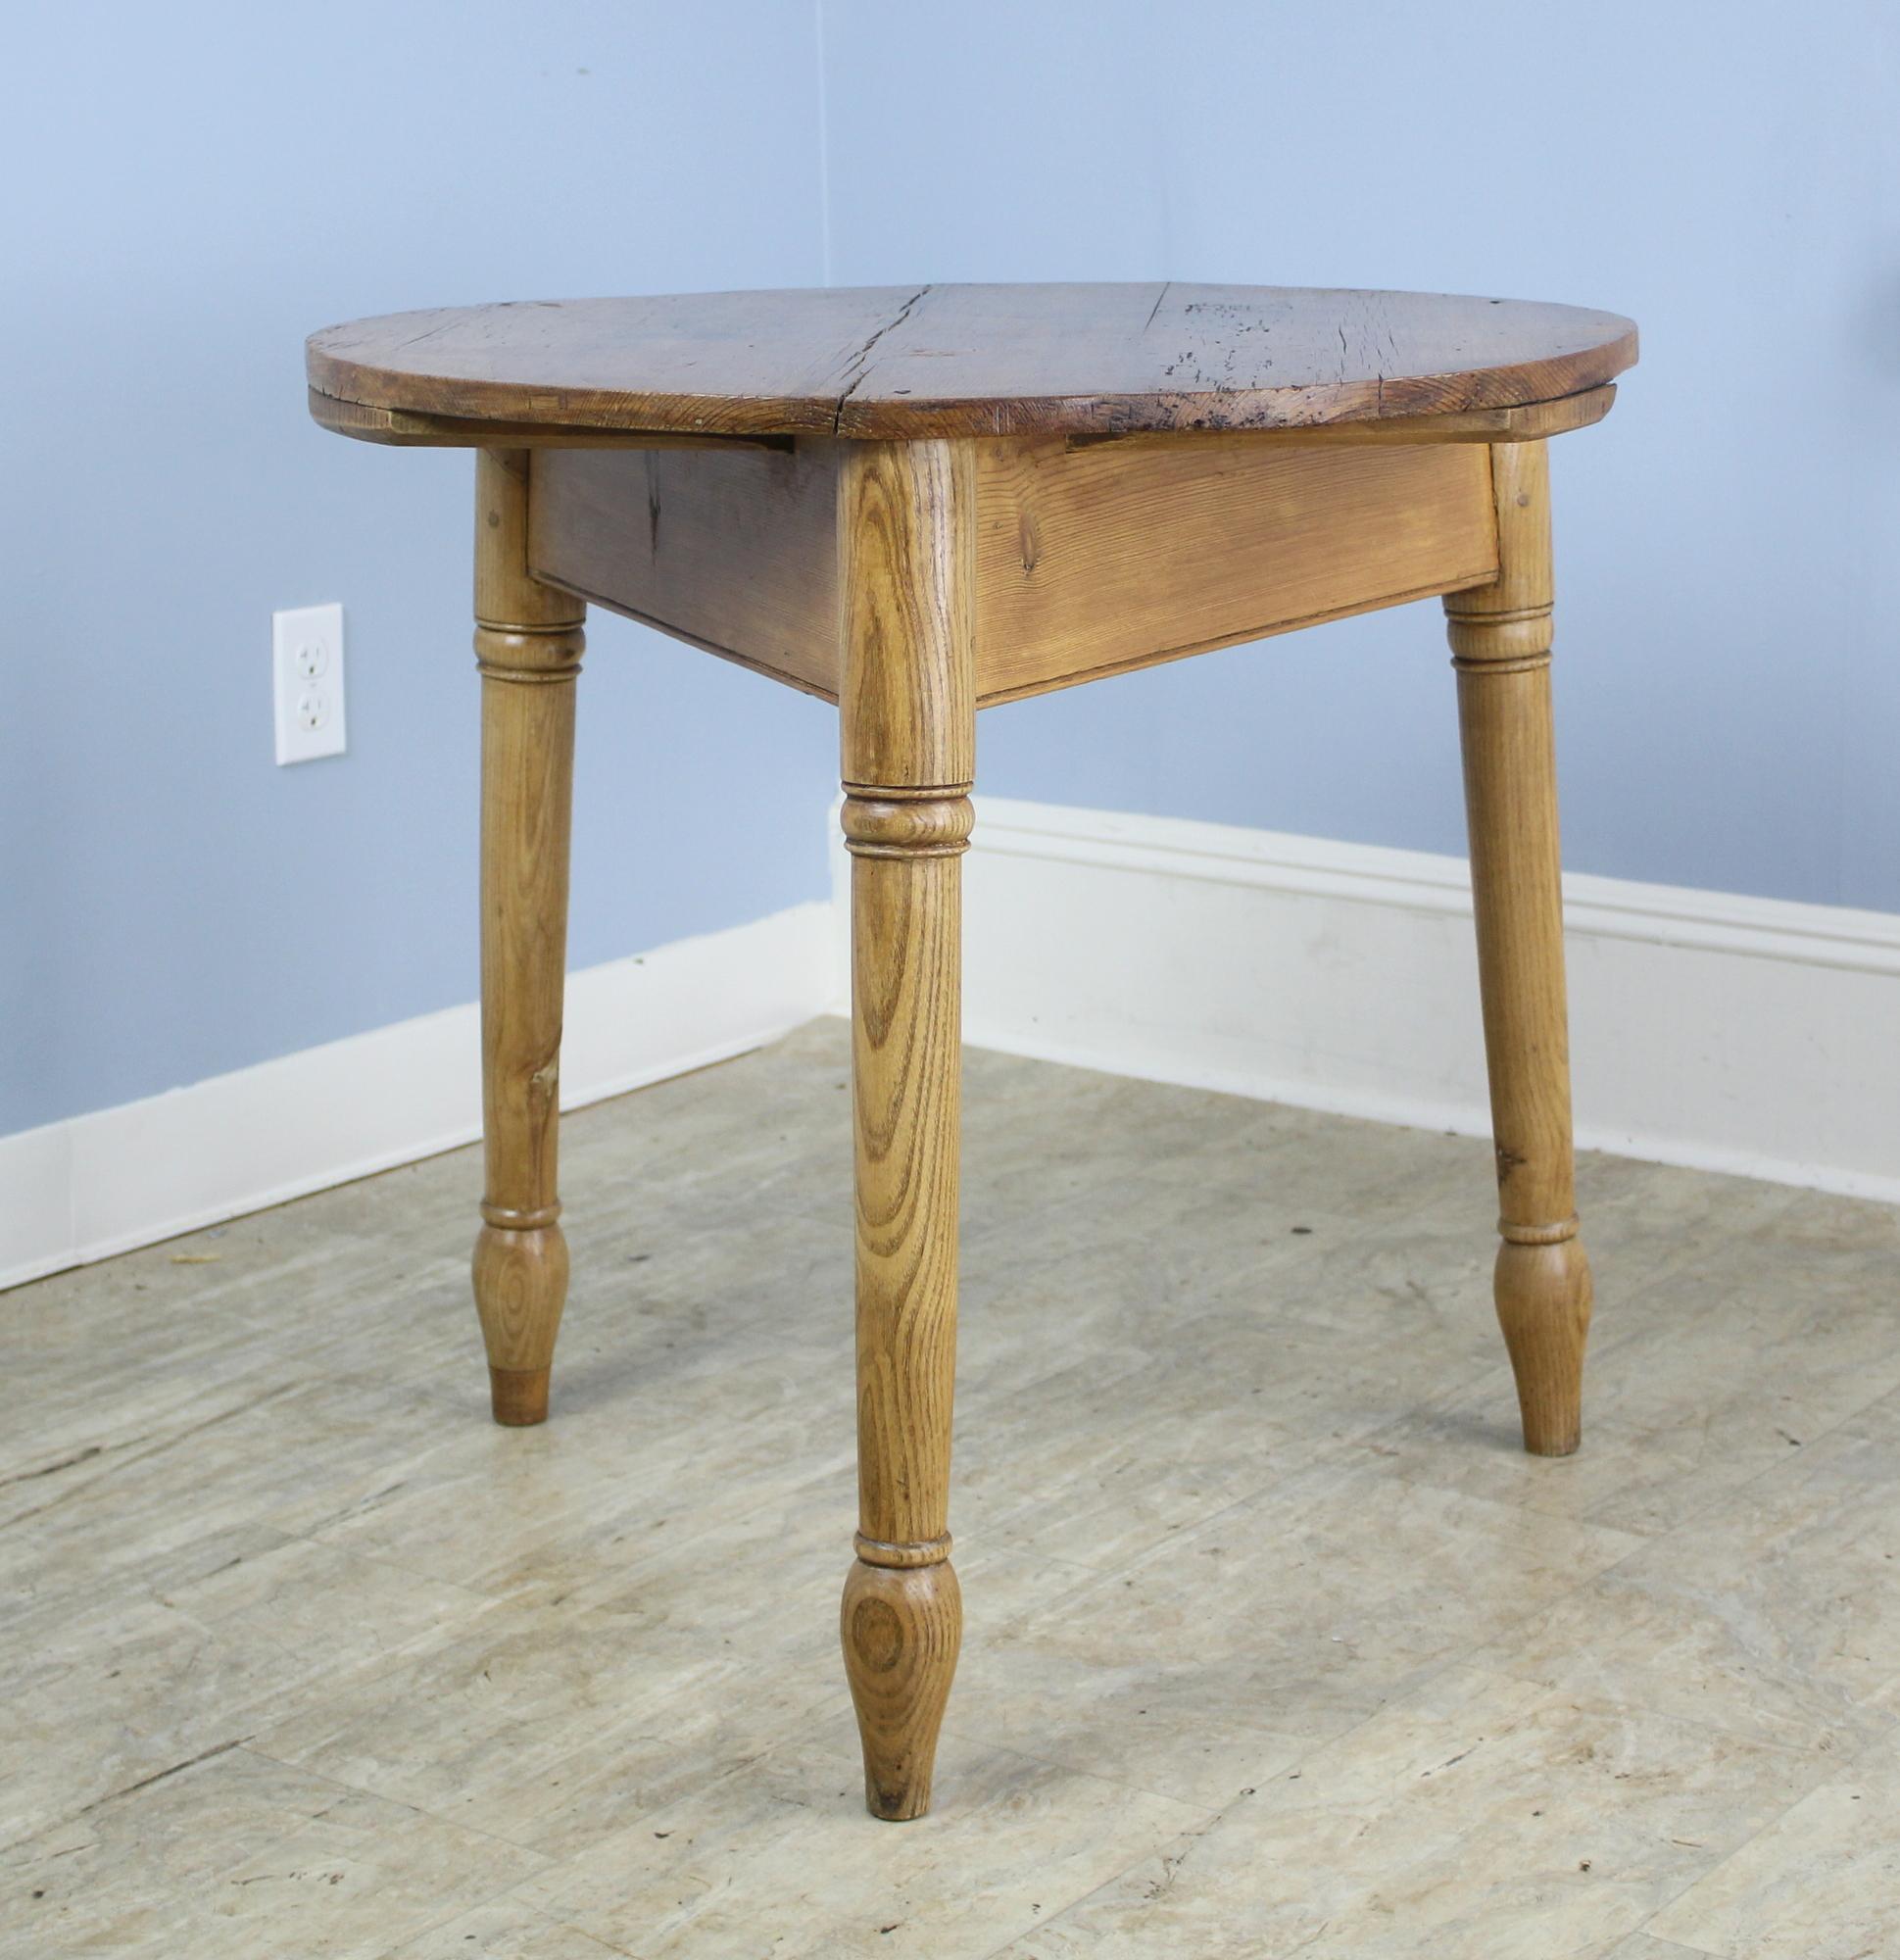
897	362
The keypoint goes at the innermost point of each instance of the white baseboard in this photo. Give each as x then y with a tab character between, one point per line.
104	1183
1720	1032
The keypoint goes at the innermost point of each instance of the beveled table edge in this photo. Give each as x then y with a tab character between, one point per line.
408	428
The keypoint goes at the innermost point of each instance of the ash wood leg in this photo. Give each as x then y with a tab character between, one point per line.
1500	639
908	706
528	646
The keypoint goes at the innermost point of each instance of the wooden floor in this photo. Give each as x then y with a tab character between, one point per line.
1276	1644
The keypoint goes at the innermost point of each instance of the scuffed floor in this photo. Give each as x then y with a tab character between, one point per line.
1275	1641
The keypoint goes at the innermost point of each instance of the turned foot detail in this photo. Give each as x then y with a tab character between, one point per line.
1542	1290
901	1629
520	1286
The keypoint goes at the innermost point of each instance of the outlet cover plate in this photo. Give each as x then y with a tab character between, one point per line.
307	672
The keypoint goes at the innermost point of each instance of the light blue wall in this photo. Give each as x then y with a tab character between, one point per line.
1729	623
193	187
190	190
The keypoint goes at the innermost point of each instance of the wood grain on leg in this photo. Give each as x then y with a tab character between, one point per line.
528	645
1500	639
906	554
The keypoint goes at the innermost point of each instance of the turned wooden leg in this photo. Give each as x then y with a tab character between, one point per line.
1500	639
909	715
528	645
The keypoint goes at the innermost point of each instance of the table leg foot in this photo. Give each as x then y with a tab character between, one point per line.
902	1630
520	1286
518	1395
1544	1305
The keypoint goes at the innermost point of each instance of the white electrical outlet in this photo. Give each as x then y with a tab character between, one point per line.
307	667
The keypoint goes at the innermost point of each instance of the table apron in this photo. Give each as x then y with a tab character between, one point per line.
1091	559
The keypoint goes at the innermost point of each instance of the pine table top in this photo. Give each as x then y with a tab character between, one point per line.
910	362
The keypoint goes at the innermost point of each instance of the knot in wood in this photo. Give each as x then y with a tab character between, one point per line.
928	825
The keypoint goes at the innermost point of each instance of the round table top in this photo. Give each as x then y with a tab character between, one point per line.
901	364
